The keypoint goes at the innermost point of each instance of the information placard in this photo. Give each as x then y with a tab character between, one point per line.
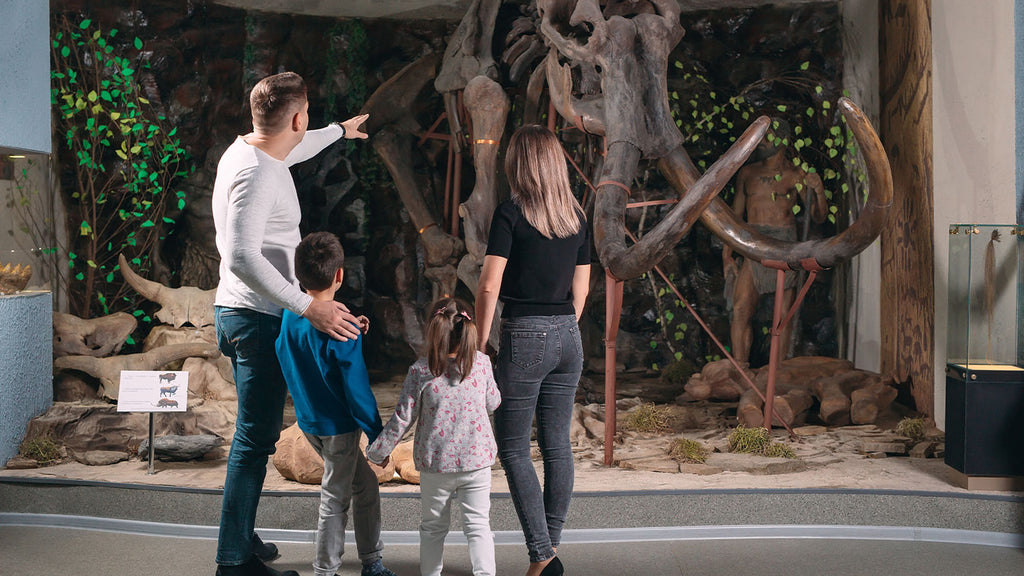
152	391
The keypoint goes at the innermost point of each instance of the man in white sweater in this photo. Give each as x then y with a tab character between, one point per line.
256	214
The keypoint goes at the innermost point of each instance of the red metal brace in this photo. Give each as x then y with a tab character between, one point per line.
810	265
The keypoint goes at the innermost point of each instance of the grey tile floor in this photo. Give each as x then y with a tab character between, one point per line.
26	551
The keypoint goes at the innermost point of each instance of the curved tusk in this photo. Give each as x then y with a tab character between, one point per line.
826	252
625	263
148	289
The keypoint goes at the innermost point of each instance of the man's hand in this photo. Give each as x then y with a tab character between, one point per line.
364	324
352	125
333	319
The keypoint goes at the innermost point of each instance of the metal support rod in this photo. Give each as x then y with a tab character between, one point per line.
456	195
773	351
613	311
707	330
152	447
448	179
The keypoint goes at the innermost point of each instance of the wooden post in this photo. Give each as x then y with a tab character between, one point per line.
908	291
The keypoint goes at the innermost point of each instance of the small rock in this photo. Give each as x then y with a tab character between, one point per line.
173	448
656	464
752	464
21	463
876	455
924	449
594	427
810	430
699	469
885	447
103	457
624	404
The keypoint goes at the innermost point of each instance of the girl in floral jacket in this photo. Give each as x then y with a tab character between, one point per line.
452	392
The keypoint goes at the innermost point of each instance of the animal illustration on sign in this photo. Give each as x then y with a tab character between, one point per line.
166	403
168	390
168	377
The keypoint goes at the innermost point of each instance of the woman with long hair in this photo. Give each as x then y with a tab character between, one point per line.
538	265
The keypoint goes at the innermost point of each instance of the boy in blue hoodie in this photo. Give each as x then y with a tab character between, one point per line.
330	386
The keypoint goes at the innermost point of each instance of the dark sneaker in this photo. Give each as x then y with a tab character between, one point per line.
265	551
376	569
254	567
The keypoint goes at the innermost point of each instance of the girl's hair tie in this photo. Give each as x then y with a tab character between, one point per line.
440	311
466	315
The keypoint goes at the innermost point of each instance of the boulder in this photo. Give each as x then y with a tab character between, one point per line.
296	459
404	465
718	380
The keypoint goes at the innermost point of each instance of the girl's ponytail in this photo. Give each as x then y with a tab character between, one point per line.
451	330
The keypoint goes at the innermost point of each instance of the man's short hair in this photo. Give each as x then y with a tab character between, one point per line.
317	258
274	99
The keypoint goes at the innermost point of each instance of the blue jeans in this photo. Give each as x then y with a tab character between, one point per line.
247	337
537	371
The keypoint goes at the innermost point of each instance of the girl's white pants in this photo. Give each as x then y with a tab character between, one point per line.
473	490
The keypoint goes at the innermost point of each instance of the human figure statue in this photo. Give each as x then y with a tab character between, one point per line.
767	190
256	215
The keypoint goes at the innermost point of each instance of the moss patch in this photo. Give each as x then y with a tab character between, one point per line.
912	428
758	441
42	449
648	418
688	451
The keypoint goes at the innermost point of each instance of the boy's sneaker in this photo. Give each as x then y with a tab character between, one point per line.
265	551
254	567
376	568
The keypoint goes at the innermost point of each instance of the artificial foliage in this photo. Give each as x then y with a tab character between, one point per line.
121	163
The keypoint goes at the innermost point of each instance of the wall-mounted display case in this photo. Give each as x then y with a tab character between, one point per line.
28	219
984	368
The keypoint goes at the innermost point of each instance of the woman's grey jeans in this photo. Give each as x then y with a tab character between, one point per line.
538	368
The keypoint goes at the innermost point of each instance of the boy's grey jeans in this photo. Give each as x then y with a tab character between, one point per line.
348	479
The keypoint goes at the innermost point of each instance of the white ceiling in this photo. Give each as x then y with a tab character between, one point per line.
438	9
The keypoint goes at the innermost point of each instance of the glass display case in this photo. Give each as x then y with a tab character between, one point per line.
984	368
28	234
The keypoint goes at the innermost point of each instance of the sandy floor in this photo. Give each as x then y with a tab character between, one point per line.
726	471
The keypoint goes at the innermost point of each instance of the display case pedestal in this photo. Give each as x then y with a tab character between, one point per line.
985	426
26	364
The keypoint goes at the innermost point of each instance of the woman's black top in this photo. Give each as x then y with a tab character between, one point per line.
538	276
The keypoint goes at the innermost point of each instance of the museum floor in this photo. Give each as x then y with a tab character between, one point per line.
25	551
855	516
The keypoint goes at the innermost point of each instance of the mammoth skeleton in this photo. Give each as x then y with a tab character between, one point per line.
605	70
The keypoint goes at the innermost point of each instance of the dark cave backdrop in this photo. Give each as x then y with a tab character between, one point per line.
205	57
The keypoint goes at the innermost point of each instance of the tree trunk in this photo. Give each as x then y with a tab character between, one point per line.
908	297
